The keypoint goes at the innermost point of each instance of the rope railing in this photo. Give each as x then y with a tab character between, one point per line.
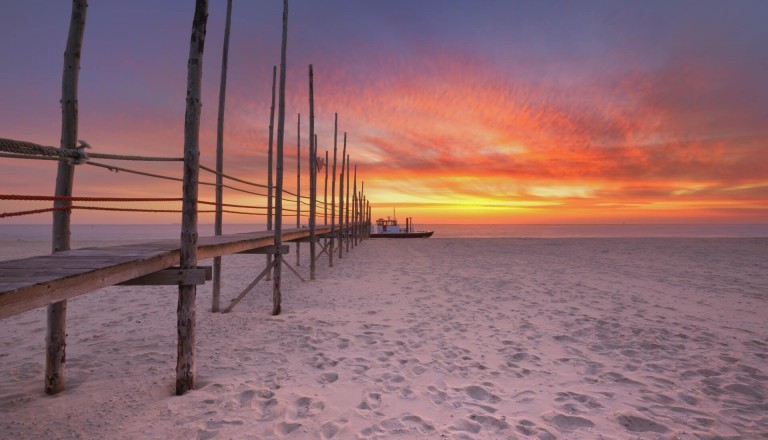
28	150
229	205
203	167
102	208
115	199
88	199
30	156
11	148
176	179
24	197
130	171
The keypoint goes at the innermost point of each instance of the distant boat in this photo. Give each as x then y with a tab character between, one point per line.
388	228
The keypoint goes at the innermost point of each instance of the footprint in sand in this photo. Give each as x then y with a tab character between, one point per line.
305	407
490	423
284	428
640	424
216	425
528	428
405	425
750	392
333	428
435	395
329	377
391	382
465	425
321	361
263	401
582	400
480	394
246	397
371	402
568	423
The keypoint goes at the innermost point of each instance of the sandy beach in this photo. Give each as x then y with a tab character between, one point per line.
642	338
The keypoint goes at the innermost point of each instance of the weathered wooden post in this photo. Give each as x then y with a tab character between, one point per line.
342	231
362	215
312	175
276	276
362	210
270	167
325	194
298	186
346	204
355	224
215	298
185	312
55	341
333	190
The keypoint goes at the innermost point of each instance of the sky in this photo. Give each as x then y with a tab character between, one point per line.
455	111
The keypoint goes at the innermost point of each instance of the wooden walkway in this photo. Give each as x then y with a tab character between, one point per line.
30	283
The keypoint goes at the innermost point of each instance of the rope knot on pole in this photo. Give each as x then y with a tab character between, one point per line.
80	156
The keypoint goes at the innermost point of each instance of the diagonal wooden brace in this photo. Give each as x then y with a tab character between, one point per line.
293	270
250	287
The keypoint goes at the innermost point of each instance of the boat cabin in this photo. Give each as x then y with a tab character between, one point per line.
387	226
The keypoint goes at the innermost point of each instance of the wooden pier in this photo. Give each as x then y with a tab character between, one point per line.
50	280
34	282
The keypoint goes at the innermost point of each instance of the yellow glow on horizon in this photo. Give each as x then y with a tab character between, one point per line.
560	191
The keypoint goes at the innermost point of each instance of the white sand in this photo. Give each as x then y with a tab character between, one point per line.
438	338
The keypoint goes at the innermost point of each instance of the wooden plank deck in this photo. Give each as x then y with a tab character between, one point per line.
34	282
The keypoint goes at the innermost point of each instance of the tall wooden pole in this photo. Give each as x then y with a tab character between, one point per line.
185	312
312	175
363	233
360	215
220	160
276	275
342	231
298	186
362	212
346	205
317	165
333	190
270	166
325	194
55	341
355	223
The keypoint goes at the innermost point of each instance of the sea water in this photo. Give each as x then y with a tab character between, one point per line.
136	232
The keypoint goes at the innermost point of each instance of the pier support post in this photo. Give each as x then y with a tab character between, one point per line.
312	175
55	341
270	167
276	275
333	190
298	186
215	297
185	312
354	212
346	205
325	193
342	231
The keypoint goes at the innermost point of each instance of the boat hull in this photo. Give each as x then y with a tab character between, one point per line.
420	234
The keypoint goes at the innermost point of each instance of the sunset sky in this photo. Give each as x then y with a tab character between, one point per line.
455	111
